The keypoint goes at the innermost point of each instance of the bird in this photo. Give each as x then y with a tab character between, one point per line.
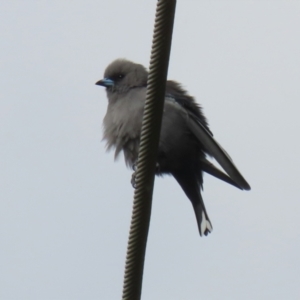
185	141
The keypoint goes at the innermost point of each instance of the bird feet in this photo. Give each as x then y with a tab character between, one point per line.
133	176
133	183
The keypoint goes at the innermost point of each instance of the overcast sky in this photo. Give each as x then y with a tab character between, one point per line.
65	205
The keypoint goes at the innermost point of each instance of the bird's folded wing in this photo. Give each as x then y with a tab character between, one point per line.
215	150
211	169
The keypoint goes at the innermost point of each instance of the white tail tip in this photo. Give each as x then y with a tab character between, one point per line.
205	227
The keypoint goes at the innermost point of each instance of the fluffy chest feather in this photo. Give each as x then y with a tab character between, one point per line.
122	124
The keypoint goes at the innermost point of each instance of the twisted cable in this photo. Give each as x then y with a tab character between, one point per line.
161	46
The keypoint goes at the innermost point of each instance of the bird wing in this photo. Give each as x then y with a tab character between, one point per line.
197	124
211	169
214	149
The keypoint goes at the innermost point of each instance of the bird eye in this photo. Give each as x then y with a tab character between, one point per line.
117	77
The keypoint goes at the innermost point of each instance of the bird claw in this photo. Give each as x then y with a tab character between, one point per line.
133	176
133	182
134	166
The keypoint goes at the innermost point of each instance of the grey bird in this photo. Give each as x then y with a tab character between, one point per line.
185	138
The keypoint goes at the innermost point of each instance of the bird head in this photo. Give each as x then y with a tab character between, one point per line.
122	75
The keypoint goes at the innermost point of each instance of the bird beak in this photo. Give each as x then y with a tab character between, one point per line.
105	82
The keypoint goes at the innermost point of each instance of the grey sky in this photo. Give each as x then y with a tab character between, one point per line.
65	205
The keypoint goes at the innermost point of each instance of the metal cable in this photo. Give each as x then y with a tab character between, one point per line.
153	111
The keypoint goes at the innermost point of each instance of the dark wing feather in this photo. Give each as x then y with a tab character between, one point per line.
211	169
174	90
199	127
215	150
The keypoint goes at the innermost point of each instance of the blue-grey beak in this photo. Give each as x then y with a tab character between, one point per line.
105	82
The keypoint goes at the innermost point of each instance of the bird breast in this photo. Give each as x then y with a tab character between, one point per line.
122	125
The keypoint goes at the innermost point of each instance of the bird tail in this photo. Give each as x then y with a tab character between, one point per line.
190	185
204	224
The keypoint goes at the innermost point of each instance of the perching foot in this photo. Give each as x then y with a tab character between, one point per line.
133	183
